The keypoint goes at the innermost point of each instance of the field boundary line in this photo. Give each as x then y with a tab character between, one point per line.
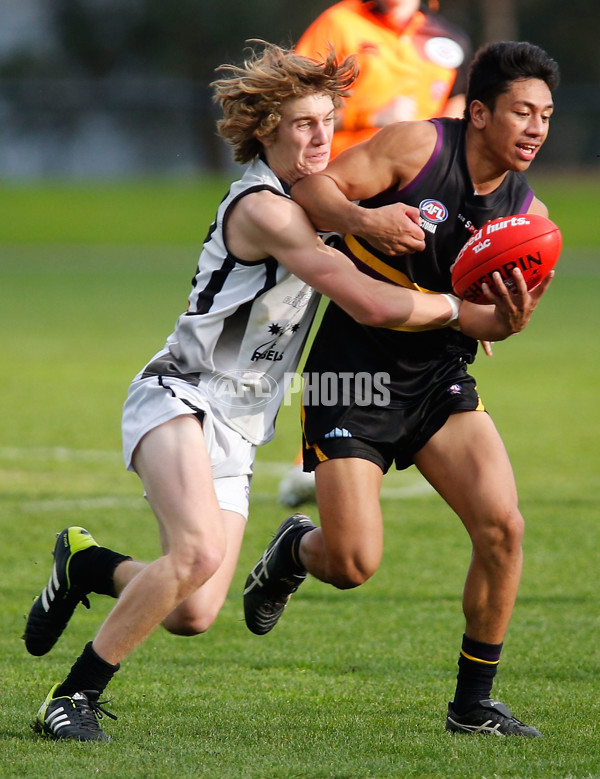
413	484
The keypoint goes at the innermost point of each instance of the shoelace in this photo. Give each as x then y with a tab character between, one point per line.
92	709
260	572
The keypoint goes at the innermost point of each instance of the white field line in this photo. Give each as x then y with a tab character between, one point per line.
59	454
413	485
82	504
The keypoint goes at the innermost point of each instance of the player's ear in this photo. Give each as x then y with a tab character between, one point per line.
479	113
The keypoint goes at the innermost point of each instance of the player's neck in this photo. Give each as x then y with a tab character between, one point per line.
486	183
484	170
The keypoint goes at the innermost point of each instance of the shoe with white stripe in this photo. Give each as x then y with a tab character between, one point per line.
271	583
53	609
489	717
75	717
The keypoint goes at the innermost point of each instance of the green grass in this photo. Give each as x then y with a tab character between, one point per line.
350	685
137	213
169	212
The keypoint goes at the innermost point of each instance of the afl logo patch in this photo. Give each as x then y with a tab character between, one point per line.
444	52
242	389
433	211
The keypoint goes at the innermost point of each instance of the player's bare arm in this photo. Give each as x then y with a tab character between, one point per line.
537	207
264	224
391	158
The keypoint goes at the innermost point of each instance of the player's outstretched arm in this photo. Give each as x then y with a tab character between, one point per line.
263	224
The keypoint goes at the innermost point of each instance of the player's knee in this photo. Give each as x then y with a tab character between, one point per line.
511	530
502	537
197	613
190	624
207	562
350	572
196	564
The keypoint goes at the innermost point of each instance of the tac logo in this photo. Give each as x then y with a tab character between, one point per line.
433	211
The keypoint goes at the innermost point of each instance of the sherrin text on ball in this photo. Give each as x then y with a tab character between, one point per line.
527	241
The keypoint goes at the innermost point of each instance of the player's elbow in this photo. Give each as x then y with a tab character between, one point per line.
370	318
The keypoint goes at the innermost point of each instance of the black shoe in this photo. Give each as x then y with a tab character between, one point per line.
75	717
270	584
53	609
489	717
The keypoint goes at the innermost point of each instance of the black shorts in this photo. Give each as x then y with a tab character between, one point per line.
388	433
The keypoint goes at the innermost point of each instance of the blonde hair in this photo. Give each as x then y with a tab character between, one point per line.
251	95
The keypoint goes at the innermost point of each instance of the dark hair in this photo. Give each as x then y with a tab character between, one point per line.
497	65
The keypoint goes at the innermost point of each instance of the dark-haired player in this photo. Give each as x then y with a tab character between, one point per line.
472	170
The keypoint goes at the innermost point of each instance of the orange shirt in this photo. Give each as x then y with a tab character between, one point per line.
426	63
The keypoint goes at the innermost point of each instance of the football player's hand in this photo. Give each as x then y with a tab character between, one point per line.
393	229
514	305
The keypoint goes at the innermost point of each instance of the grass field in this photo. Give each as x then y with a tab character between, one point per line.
350	685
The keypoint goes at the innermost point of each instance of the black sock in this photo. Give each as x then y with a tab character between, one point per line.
89	672
477	666
290	549
93	569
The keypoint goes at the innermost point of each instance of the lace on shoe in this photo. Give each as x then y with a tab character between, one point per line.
73	716
95	708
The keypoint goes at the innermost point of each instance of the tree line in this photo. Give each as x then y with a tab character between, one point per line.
189	38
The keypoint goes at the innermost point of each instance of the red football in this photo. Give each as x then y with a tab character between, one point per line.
527	241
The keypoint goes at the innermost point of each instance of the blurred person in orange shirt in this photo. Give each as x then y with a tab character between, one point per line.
412	63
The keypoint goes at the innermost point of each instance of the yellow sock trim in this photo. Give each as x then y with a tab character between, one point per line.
478	659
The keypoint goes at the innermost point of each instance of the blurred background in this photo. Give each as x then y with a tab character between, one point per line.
119	88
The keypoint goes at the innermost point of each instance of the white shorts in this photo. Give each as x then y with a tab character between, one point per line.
155	400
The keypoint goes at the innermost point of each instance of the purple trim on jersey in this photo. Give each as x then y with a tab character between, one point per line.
391	195
527	202
430	162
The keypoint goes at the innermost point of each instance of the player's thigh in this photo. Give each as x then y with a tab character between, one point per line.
348	499
467	464
174	465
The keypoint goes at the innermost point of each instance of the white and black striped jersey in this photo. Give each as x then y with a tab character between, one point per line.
245	327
